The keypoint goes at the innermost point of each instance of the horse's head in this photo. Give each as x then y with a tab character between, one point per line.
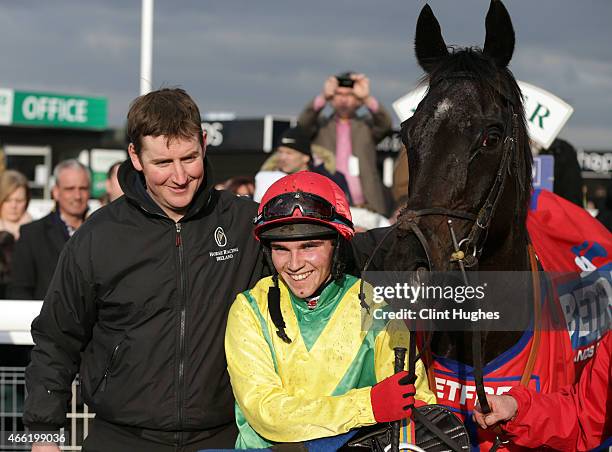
468	153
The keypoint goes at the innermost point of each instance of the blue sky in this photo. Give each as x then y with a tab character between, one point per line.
255	57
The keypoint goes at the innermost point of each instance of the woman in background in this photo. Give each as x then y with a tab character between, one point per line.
14	200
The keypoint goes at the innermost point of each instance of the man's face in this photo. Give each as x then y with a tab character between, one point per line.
304	265
112	185
71	191
291	161
344	102
173	171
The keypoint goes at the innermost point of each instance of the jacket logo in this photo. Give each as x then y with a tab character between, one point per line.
220	237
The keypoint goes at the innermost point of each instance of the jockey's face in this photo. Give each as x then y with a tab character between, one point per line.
304	265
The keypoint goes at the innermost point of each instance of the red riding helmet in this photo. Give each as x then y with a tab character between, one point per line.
303	205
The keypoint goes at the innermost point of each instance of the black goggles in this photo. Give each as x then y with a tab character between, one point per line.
310	205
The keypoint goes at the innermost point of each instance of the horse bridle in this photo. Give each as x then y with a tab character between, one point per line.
468	250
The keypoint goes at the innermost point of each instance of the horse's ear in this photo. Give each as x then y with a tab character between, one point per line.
499	42
429	44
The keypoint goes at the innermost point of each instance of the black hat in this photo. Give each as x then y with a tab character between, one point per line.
297	139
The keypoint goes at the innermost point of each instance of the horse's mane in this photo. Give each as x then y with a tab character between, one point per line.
493	82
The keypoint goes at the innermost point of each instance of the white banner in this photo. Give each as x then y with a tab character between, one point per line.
545	113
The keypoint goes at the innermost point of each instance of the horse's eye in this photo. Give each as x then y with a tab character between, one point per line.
491	138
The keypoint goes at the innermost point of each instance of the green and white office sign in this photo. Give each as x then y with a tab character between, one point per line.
545	113
24	108
6	106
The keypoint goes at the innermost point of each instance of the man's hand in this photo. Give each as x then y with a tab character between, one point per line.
45	447
329	88
361	88
503	408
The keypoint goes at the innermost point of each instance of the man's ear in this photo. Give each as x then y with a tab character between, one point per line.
54	192
136	163
204	136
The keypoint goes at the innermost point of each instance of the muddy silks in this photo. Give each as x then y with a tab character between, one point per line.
319	384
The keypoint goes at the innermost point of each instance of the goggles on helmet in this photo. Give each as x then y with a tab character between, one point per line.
309	205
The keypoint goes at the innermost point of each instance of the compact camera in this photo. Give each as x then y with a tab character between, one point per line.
345	80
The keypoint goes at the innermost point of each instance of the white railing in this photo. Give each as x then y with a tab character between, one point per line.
12	396
16	318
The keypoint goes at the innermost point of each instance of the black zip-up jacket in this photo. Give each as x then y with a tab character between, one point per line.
138	306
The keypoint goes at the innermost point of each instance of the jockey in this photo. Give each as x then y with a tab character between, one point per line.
304	359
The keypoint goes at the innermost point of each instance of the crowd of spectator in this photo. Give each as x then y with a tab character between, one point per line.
336	135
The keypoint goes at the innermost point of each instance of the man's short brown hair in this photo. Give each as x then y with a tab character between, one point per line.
169	111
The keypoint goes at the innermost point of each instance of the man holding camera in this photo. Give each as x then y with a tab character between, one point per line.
352	137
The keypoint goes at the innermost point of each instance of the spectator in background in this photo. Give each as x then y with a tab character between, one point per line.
113	189
604	211
351	137
293	154
14	200
400	179
567	173
41	242
240	186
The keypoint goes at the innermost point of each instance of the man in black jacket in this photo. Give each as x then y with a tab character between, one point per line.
139	303
41	242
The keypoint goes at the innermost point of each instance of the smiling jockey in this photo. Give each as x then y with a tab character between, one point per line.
304	360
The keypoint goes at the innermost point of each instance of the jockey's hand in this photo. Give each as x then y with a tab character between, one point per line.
392	400
503	408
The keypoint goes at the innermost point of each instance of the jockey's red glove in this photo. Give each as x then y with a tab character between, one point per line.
392	400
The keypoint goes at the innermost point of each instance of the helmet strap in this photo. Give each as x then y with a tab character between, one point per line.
274	302
339	259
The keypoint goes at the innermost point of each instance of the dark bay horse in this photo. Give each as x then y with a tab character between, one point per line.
468	154
470	162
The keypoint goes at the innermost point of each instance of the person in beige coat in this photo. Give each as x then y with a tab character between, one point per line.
351	137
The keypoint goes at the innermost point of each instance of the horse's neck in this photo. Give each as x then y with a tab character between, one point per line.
510	255
506	246
507	254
